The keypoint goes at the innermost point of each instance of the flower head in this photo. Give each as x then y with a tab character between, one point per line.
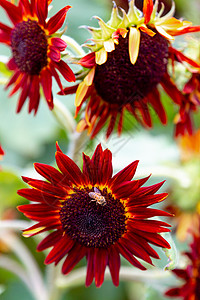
190	289
94	214
129	58
35	50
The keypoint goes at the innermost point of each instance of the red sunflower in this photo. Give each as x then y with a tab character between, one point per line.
129	58
35	50
190	289
94	214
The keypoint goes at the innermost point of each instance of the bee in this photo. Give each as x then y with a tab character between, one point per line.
96	196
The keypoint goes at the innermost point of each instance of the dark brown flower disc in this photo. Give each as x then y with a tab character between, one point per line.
118	81
90	223
29	47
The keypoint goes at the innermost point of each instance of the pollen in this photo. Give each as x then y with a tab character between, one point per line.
120	82
29	47
90	224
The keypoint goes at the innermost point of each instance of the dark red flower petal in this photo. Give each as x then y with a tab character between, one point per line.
69	168
57	20
14	12
73	258
65	70
90	267
88	61
58	43
60	249
124	175
41	10
100	262
49	240
114	264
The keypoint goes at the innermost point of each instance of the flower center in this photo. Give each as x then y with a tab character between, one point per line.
92	223
29	47
120	82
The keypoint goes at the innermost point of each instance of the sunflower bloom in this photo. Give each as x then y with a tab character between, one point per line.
35	50
190	289
94	214
128	59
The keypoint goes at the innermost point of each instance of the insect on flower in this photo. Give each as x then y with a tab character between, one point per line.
96	196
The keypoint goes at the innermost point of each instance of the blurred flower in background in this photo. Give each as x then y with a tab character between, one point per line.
185	200
190	289
1	152
35	50
129	58
94	214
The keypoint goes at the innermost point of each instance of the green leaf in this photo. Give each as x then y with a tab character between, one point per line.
4	70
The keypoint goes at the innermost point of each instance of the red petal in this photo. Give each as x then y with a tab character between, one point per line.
154	100
124	175
148	225
100	262
70	90
57	78
54	54
74	256
38	196
58	43
148	190
114	264
144	213
88	170
46	81
187	30
69	168
146	200
128	255
11	64
147	10
181	57
47	187
135	249
65	70
25	7
34	94
90	267
175	292
60	249
50	240
88	61
5	32
23	96
125	189
13	78
57	20
13	11
171	89
50	173
153	238
42	10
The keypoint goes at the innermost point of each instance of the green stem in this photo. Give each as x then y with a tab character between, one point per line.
77	145
22	252
64	117
76	48
77	277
